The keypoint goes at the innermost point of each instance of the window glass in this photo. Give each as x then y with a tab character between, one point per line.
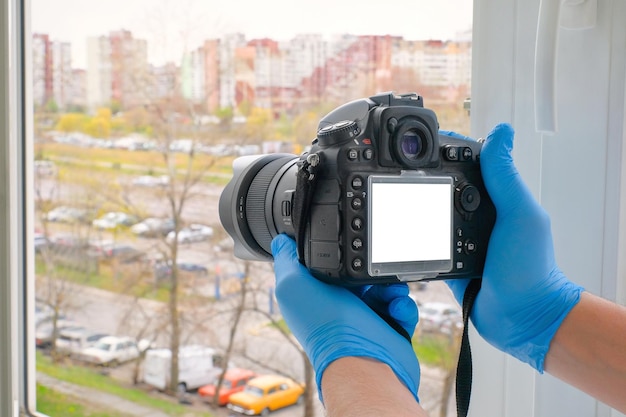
139	109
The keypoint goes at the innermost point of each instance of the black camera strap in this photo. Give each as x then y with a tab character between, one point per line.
464	365
306	179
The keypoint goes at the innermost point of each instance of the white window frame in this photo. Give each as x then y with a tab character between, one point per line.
17	358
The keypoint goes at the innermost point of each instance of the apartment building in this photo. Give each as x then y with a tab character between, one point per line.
233	72
53	77
117	70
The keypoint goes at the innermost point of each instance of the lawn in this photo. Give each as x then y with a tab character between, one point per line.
53	403
91	378
130	162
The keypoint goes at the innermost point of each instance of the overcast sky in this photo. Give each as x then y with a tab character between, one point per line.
170	26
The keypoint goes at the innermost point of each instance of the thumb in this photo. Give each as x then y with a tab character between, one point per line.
283	248
502	180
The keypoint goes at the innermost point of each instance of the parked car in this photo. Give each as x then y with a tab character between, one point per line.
192	233
67	214
44	313
197	366
41	242
153	227
163	270
439	317
72	340
235	380
114	219
110	250
112	351
264	394
44	332
193	268
69	243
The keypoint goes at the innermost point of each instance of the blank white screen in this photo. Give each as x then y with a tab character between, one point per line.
410	222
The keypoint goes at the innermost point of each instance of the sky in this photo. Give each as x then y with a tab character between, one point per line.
171	26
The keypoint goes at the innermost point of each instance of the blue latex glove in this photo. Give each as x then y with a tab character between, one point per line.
524	295
332	322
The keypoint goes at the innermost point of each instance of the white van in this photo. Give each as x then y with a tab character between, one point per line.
197	366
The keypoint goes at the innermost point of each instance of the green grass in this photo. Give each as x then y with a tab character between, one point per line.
435	350
53	403
85	161
90	378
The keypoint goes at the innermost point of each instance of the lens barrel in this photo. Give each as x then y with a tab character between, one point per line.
250	205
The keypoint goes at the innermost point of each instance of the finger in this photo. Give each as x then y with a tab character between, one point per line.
458	287
502	180
404	311
285	257
455	135
387	292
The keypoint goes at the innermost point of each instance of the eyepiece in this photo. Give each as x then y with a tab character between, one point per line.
412	143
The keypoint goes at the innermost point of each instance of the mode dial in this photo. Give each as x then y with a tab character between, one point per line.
338	133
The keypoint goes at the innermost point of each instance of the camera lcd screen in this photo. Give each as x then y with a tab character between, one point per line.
410	225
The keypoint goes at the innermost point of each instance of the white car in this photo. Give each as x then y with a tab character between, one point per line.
113	350
113	220
73	340
152	227
192	233
66	214
439	317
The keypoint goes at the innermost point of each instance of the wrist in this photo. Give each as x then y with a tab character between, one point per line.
356	386
550	315
335	342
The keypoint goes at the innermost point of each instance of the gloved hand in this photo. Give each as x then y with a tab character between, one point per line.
332	322
524	295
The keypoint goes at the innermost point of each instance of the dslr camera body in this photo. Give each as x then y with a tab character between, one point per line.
380	197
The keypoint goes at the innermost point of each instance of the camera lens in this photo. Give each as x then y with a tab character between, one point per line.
411	144
255	206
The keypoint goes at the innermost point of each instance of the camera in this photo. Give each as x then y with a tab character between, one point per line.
380	197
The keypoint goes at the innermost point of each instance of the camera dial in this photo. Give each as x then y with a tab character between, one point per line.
337	133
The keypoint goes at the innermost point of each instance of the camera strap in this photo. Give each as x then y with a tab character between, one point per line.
306	179
464	365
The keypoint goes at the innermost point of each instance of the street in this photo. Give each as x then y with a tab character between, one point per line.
258	345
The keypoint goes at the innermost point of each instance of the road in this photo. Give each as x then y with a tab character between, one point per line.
209	323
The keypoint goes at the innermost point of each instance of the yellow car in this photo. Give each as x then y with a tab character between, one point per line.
264	394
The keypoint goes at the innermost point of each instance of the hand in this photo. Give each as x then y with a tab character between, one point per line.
524	295
332	322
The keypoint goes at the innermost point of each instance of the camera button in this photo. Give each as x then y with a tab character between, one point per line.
357	183
357	224
470	198
357	203
451	153
368	154
470	246
459	232
353	154
467	153
357	264
357	244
